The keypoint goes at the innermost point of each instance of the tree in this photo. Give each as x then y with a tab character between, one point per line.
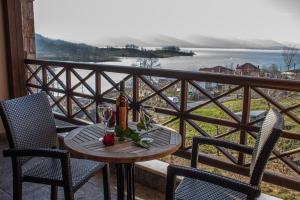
131	46
148	62
171	48
274	69
290	56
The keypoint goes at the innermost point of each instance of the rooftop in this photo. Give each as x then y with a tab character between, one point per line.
219	69
247	66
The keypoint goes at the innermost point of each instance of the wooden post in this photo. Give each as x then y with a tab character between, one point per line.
44	78
183	107
245	121
135	97
14	48
68	92
98	93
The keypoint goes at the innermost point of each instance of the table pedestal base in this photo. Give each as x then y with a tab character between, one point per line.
129	177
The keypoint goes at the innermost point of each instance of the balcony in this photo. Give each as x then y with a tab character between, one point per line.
192	103
211	105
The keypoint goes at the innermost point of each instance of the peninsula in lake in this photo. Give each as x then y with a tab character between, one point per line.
51	49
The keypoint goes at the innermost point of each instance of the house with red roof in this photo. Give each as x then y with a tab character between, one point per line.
248	69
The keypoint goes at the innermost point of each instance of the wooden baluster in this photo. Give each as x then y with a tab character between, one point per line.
68	92
135	98
245	121
98	93
44	77
183	107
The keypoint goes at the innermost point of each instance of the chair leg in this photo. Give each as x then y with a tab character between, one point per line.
17	180
69	195
68	192
53	192
17	188
106	182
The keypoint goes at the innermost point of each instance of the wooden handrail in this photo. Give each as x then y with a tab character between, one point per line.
280	84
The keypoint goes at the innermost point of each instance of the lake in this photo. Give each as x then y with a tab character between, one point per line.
202	58
205	57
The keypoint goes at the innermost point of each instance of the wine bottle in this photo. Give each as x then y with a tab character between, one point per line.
122	108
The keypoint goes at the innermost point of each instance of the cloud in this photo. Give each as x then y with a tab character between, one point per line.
288	6
90	20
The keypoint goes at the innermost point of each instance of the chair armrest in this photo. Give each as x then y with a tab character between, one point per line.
62	129
62	155
216	142
51	153
173	171
223	143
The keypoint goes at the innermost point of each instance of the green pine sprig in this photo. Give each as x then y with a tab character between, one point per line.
131	134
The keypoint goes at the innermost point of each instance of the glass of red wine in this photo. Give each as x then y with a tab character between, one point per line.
106	114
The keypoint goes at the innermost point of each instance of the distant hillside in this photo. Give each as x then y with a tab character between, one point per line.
147	41
233	43
193	41
62	50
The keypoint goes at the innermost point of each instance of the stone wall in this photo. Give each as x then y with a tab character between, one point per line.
28	28
3	67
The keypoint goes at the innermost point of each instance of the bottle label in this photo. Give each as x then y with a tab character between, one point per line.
122	118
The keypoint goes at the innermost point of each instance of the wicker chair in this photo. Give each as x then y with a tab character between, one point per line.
33	139
198	184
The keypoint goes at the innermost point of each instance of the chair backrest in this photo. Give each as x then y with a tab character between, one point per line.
265	142
29	122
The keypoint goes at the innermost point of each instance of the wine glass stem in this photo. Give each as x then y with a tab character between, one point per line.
105	125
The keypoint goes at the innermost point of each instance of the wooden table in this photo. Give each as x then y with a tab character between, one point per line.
85	143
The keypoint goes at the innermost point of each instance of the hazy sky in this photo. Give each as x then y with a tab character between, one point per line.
92	21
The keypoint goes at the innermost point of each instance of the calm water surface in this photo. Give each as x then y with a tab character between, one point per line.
212	57
202	58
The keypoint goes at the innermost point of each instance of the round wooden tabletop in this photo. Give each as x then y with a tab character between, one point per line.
85	143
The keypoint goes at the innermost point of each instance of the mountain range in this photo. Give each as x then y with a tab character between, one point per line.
194	41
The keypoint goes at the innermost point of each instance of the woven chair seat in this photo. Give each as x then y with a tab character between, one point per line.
192	189
50	169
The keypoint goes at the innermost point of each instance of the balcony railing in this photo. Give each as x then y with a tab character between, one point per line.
194	103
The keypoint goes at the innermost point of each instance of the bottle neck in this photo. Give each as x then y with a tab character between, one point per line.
122	88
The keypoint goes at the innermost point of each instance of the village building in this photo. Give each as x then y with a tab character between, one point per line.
247	69
289	75
216	87
267	73
294	74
